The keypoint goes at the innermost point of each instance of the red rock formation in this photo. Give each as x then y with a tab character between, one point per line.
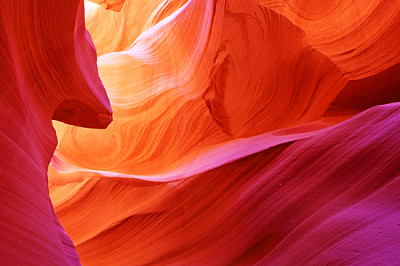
48	71
330	198
245	132
233	140
151	92
359	37
267	77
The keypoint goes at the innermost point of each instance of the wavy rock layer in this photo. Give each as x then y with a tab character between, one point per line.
278	81
48	71
329	198
359	37
153	91
244	132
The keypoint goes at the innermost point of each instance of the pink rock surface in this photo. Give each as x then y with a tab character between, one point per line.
245	132
48	71
233	140
328	199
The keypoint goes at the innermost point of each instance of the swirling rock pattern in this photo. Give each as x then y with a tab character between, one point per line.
327	199
48	71
233	141
357	36
276	82
245	132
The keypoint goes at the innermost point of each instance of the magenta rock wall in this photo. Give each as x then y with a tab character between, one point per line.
200	132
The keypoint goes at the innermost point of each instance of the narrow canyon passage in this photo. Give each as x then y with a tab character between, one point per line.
200	132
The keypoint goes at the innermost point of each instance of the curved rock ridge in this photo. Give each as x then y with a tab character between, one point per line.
117	31
328	198
252	68
277	81
245	132
48	70
199	161
359	37
80	99
359	95
151	92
